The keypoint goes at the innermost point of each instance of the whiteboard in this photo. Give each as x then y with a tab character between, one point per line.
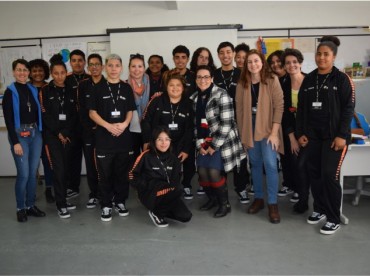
8	55
163	42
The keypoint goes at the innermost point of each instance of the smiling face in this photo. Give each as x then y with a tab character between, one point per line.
203	79
137	68
21	73
255	64
95	67
155	65
37	74
175	89
240	59
324	59
163	142
292	65
180	60
226	56
276	66
203	58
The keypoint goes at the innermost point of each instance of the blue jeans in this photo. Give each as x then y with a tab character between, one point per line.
261	155
27	165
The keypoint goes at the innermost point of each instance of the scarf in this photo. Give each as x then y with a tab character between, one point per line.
200	113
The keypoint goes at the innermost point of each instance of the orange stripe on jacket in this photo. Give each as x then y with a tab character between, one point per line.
131	173
344	151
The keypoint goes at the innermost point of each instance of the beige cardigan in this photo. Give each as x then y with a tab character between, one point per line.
270	110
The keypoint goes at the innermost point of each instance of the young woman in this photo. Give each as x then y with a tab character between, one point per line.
259	109
325	109
241	51
22	114
217	140
156	68
274	61
59	116
173	110
156	176
140	84
202	56
294	175
39	74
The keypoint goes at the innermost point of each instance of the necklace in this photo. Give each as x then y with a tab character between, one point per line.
229	79
317	85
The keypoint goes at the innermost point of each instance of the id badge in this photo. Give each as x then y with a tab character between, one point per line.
316	105
115	114
25	133
173	126
254	110
62	117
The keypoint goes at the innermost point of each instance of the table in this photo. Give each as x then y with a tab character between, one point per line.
356	163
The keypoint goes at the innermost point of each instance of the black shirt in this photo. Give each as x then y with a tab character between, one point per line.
190	83
319	117
104	104
227	80
28	115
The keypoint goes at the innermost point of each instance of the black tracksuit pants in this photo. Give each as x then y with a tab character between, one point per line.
74	176
59	157
241	178
188	166
113	170
289	163
323	167
91	169
169	205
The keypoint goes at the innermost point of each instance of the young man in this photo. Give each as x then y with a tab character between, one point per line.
181	56
95	67
111	106
77	61
227	77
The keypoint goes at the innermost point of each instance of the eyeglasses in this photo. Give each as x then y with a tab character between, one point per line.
203	77
163	139
94	64
136	56
19	70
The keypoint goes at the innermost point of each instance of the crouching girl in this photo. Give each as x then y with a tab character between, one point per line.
156	175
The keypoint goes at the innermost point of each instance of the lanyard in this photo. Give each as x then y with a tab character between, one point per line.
165	170
227	87
254	93
111	95
61	99
317	85
174	114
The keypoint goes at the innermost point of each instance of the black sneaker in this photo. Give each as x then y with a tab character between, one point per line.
92	203
159	222
285	191
35	212
329	228
201	191
22	215
294	198
49	196
63	212
106	214
71	193
315	218
243	197
187	193
121	209
70	206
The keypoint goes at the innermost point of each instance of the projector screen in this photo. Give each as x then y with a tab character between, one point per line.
163	42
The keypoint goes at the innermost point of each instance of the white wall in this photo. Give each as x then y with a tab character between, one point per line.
64	18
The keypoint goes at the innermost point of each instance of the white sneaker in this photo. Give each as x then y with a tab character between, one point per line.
106	214
285	191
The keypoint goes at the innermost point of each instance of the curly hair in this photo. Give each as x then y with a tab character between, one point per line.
42	64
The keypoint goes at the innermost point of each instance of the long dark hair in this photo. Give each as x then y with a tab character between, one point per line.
194	59
155	133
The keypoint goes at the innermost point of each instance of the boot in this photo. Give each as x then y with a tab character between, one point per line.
274	213
257	205
223	202
212	199
49	195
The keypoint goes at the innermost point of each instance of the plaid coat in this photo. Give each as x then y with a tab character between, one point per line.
222	127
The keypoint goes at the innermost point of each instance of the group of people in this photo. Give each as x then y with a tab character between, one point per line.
158	128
